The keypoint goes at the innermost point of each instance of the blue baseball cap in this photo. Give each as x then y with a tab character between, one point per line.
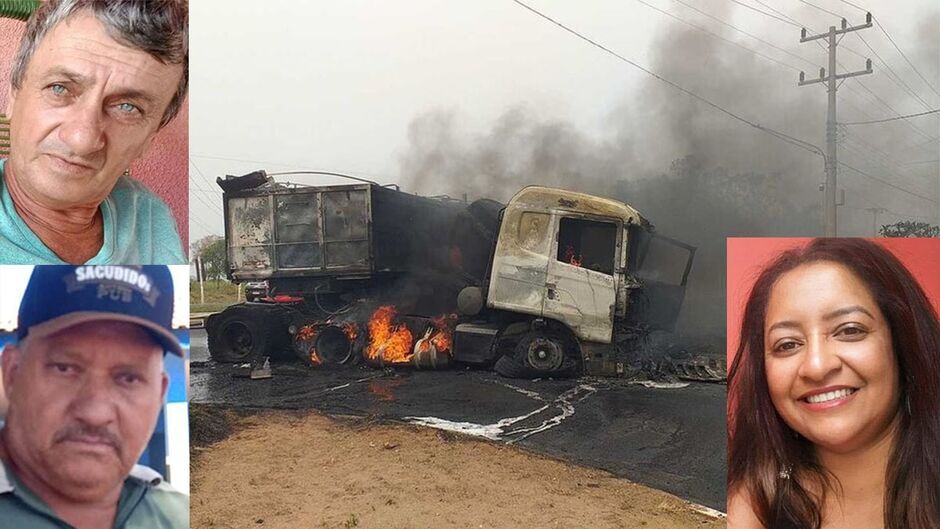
60	296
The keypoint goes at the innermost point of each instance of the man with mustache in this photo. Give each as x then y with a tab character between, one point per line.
85	384
91	85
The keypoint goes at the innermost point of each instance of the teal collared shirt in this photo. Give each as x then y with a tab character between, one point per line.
146	502
138	229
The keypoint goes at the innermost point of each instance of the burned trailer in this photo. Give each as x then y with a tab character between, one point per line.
554	283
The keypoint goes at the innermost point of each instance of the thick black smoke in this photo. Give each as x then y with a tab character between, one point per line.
697	174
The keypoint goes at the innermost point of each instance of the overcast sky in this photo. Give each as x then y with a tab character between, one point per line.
283	85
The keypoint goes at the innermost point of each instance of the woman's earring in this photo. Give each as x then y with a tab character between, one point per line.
785	472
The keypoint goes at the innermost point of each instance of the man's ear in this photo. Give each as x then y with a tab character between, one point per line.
165	384
11	96
10	365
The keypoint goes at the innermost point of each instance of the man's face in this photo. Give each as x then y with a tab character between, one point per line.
88	106
83	403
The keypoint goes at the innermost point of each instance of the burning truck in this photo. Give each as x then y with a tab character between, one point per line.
553	283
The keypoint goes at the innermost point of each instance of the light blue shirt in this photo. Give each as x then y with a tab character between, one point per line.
138	229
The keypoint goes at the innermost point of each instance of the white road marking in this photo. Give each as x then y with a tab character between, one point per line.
499	431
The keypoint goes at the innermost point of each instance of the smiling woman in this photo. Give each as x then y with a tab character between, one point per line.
834	391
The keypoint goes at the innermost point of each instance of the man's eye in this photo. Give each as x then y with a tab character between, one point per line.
61	368
128	108
129	379
58	89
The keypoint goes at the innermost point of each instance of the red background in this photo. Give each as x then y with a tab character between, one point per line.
748	256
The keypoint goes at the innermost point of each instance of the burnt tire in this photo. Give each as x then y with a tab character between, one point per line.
245	333
539	354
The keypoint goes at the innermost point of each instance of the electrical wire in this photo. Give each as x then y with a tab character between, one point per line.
900	80
755	37
752	8
793	22
784	137
922	78
194	183
934	111
759	54
889	184
822	9
780	135
855	6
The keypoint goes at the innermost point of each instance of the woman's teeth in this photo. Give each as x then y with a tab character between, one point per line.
832	395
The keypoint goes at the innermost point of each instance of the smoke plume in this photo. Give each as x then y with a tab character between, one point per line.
697	174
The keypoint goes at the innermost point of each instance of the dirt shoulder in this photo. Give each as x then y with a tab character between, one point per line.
290	469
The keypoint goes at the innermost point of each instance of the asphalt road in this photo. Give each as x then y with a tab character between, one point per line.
671	439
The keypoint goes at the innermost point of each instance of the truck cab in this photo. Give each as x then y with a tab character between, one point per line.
574	264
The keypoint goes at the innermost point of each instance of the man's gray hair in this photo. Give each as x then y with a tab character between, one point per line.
157	27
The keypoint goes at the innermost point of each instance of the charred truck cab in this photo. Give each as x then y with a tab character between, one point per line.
554	283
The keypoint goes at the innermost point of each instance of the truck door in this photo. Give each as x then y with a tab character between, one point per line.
662	265
580	288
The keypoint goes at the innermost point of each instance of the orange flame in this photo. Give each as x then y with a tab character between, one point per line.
314	358
390	343
305	337
443	339
351	330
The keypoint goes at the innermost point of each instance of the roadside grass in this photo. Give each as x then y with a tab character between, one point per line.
218	295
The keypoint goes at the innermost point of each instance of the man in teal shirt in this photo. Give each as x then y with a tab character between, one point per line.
91	85
85	382
137	228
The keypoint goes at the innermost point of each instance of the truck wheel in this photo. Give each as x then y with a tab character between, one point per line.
241	334
539	354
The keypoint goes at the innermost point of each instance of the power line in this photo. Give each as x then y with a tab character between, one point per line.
895	112
884	63
755	37
934	111
716	35
900	81
871	151
893	213
780	135
932	87
821	9
784	137
194	183
889	184
209	157
794	22
853	5
784	15
752	8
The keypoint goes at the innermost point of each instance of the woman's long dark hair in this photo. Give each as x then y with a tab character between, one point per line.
776	468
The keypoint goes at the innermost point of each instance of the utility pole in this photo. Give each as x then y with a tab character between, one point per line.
832	162
874	220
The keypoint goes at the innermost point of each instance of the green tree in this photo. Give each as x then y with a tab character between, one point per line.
214	259
907	228
211	249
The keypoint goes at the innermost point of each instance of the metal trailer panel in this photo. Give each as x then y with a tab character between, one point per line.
353	231
292	232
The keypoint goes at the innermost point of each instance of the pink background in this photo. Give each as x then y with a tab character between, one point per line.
747	257
165	167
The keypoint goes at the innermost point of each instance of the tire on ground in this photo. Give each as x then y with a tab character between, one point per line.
245	333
